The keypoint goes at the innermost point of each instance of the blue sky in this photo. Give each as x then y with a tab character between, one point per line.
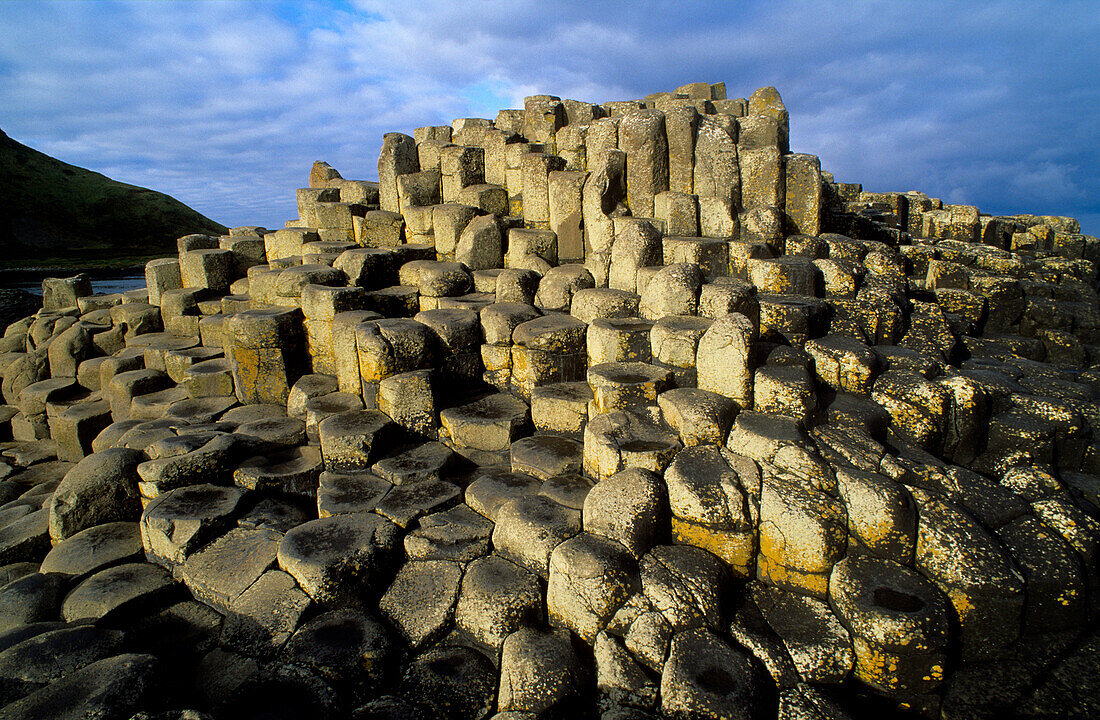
226	105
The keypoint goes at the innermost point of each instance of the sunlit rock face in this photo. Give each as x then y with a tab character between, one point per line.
617	411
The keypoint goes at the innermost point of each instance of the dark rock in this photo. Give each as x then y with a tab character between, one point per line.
113	687
32	598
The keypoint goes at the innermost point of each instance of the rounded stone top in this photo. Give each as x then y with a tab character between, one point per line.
551	332
262	327
626	373
889	603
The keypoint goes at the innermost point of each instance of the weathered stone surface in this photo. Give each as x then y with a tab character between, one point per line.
489	424
547	350
843	364
389	347
642	136
673	290
1055	582
723	359
319	408
262	618
335	558
342	646
266	348
338	493
710	254
882	516
686	586
626	386
818	644
618	340
51	655
706	675
536	169
674	341
481	246
26	539
618	440
113	687
545	456
408	501
648	638
354	440
273	432
631	508
975	572
398	157
220	572
426	461
290	472
456	534
529	528
101	488
636	244
716	169
95	548
455	681
125	386
709	491
305	389
591	577
118	593
620	680
561	408
279	514
785	389
803	533
700	417
540	671
899	624
192	463
33	598
491	489
567	490
591	303
180	521
780	441
497	598
420	601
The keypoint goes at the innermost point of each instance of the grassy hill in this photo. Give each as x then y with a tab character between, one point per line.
59	215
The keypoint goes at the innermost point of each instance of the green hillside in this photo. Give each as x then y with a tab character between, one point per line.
56	214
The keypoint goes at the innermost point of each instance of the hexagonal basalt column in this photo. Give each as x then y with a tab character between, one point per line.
899	624
619	440
630	386
390	347
707	492
674	341
547	350
267	348
485	426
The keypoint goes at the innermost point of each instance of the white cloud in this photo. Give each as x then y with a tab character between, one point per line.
225	105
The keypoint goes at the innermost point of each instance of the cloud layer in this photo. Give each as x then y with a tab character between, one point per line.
226	105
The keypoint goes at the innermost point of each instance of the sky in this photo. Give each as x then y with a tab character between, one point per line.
225	105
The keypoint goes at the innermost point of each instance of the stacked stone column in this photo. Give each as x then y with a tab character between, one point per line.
268	349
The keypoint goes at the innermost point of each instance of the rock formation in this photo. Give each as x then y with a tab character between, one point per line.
617	411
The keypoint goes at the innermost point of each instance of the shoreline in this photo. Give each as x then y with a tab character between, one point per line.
103	279
65	271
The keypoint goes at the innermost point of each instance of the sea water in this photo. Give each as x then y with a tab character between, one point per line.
104	283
